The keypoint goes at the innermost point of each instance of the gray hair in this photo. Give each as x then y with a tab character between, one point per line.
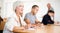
17	3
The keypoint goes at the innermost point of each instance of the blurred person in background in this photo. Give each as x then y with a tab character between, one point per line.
30	18
49	7
47	18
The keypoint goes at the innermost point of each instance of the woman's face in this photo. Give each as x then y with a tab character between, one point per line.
51	14
20	9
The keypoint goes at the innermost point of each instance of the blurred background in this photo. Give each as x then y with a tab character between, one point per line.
6	8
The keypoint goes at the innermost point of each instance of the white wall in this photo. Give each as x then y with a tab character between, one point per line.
7	8
0	6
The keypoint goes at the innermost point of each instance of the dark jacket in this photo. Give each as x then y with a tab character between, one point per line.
47	20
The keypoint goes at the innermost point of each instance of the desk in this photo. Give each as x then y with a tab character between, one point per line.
43	29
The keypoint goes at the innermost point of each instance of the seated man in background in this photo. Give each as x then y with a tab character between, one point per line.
49	7
47	18
30	18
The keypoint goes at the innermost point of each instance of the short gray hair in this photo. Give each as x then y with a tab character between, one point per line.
17	3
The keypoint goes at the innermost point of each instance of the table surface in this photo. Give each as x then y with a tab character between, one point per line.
43	29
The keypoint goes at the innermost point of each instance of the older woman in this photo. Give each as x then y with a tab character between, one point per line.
14	22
